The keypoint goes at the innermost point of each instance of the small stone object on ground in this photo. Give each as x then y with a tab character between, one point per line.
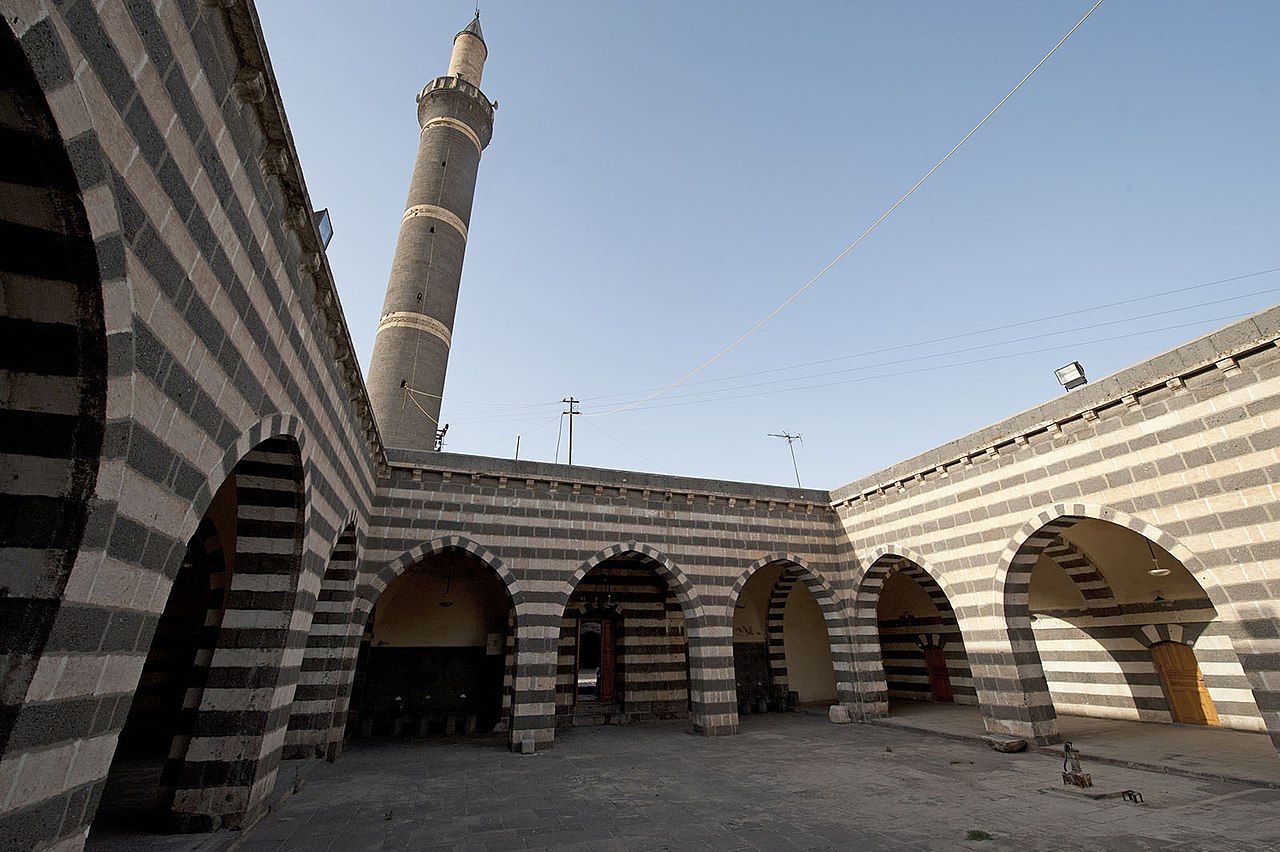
839	714
1005	743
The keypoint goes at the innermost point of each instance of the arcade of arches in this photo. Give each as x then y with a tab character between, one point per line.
213	564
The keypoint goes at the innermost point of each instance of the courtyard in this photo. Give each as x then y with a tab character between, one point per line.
787	781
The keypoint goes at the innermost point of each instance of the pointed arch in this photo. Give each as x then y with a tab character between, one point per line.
279	425
868	655
813	580
1013	584
683	589
368	592
1080	569
1013	570
251	686
797	570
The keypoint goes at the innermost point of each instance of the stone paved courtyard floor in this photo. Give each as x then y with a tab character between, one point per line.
787	782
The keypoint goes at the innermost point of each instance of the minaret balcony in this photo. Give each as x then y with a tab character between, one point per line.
461	86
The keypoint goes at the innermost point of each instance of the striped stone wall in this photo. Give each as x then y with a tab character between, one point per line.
157	230
1096	658
775	635
1180	449
187	281
241	707
547	526
318	716
53	364
1101	665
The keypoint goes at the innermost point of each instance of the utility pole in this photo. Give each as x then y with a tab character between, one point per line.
571	402
790	439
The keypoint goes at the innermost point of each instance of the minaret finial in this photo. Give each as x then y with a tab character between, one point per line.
473	28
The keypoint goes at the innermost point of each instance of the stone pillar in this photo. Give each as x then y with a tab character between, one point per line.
533	720
713	693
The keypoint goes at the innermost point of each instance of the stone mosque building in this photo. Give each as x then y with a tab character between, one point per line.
220	550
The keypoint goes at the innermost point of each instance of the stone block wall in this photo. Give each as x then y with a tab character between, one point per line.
1180	449
200	321
542	527
170	331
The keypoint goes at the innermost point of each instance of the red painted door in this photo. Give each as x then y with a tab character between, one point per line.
939	681
606	660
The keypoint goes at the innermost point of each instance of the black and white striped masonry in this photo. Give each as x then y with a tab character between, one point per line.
198	512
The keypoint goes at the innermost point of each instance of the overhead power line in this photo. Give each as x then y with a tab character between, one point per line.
839	257
716	393
935	355
940	367
524	411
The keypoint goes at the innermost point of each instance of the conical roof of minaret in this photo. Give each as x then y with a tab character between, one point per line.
473	28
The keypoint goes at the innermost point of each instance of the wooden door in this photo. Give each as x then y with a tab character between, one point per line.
935	662
607	644
1183	684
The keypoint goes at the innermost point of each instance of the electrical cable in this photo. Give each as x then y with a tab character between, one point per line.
514	414
930	369
1071	346
797	294
625	446
1004	327
559	434
950	352
716	393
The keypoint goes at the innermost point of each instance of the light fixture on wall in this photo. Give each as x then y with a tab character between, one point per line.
1155	570
1071	376
444	599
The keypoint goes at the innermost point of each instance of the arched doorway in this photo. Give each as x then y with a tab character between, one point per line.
1124	631
54	363
782	647
437	650
623	651
143	778
923	652
213	669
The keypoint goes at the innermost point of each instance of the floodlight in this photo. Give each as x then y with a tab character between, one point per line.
1071	376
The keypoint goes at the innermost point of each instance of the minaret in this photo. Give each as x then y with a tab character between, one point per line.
406	376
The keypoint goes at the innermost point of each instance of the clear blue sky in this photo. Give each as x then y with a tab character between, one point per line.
663	174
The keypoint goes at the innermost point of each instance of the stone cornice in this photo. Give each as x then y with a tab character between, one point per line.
256	87
679	490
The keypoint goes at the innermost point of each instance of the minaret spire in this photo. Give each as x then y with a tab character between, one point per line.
406	376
